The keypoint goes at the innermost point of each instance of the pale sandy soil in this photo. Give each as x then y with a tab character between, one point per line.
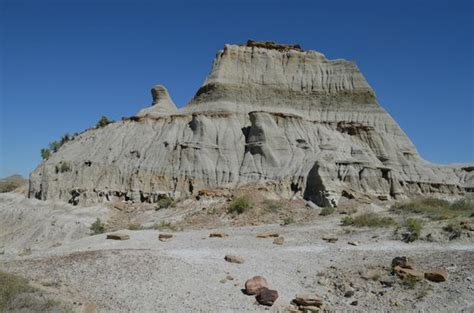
188	273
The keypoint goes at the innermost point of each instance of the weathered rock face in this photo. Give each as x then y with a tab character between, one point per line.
267	113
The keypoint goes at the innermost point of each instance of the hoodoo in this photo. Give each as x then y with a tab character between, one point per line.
267	114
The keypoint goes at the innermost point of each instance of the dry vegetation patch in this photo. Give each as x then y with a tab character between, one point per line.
17	295
437	209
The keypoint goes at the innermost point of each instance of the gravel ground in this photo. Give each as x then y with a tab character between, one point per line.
188	273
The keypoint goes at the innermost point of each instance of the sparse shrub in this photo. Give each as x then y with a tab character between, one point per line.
166	202
54	146
7	186
347	220
288	221
97	227
436	209
454	230
17	295
327	211
45	154
273	205
134	226
410	282
367	220
414	227
11	286
164	225
239	205
104	121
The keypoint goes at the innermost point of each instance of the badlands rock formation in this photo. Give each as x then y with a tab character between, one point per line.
269	114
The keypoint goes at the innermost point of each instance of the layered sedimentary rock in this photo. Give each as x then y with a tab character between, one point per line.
267	113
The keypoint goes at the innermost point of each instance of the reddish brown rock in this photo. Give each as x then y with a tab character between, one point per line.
279	241
234	259
254	284
165	237
218	234
267	296
437	275
268	234
118	236
308	300
330	239
404	272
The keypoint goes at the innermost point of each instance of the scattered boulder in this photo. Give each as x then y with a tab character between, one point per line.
406	272
330	239
268	234
234	259
218	234
267	296
403	262
437	275
254	284
353	243
165	237
279	240
308	300
118	236
349	293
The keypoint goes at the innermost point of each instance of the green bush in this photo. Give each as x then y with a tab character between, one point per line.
288	221
97	227
436	208
367	220
104	121
414	227
239	205
45	154
327	211
166	202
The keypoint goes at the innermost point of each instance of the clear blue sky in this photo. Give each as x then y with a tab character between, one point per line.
66	63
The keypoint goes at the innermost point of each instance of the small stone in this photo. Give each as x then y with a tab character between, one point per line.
403	262
165	237
234	259
223	281
309	309
218	234
228	277
349	293
388	280
279	241
308	300
330	239
254	284
354	302
118	236
437	275
268	234
90	308
267	296
353	243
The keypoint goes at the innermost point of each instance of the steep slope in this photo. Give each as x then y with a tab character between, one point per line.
267	113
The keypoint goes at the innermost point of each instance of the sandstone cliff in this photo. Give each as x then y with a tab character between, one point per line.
267	113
